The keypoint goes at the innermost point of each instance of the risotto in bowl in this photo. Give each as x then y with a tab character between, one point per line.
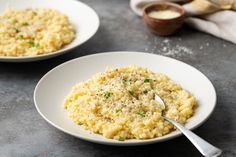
30	32
115	105
36	30
119	103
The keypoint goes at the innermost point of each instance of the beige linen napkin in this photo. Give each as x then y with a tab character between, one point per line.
208	16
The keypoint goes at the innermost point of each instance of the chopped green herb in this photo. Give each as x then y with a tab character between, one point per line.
37	45
140	113
34	13
31	42
25	24
107	94
147	80
21	36
124	80
121	139
145	92
131	92
118	110
116	69
17	30
14	21
129	82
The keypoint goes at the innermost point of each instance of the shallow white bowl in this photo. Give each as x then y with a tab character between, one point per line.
57	83
84	19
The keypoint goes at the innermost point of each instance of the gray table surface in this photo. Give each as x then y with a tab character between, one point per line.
23	132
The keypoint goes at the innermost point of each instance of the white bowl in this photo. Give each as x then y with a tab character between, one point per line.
57	83
84	19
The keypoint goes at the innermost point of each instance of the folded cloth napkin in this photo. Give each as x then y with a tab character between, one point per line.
208	16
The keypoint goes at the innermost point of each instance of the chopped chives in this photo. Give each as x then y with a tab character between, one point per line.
140	113
34	13
37	45
14	21
118	110
17	30
131	92
129	82
147	80
145	92
21	36
107	94
121	139
31	43
25	24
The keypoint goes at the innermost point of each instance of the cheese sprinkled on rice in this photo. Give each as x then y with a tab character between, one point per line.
30	32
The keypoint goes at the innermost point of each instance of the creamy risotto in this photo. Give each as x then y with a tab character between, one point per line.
119	103
30	32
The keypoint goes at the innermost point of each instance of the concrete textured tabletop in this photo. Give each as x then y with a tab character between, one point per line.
24	133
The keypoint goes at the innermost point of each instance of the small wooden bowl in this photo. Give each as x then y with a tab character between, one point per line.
164	27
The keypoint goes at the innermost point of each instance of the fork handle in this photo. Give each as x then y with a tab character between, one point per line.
205	148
